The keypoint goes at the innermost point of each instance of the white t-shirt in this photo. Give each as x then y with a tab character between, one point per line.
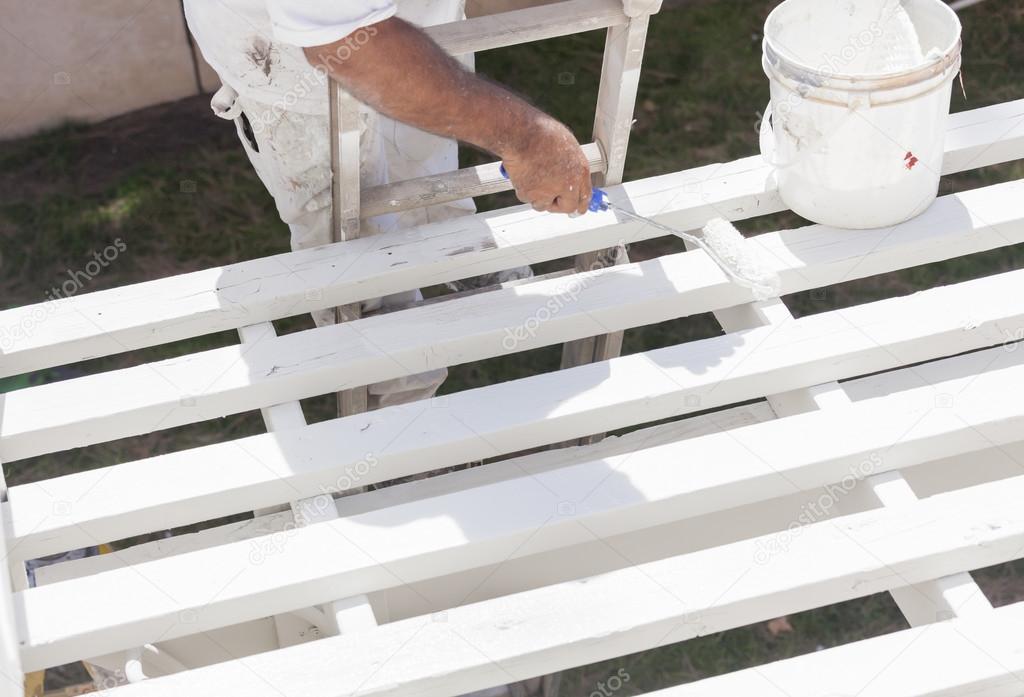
256	45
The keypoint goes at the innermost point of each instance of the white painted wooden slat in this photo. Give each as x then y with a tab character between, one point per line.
144	662
977	656
276	417
354	613
621	612
155	312
580	561
222	381
461	480
270	527
526	515
526	25
16	574
11	677
943	598
342	615
182	487
350	615
565	564
982	137
591	558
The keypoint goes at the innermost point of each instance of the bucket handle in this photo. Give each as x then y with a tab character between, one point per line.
767	138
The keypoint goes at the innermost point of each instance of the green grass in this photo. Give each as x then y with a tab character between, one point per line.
172	183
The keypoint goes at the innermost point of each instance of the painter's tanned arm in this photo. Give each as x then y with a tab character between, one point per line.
399	71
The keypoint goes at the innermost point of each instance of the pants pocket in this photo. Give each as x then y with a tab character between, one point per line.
225	103
245	131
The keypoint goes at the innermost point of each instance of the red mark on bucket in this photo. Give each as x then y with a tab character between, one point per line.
910	160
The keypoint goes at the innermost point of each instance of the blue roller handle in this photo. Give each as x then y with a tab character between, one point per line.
598	198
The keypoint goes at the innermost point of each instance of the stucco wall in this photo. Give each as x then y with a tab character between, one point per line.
88	60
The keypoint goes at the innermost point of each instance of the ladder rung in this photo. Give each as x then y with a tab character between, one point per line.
524	26
450	186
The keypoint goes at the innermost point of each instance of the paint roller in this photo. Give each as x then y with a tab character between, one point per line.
719	239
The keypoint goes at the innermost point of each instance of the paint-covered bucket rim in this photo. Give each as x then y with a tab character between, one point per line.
776	57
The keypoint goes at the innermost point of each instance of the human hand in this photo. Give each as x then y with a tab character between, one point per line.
551	173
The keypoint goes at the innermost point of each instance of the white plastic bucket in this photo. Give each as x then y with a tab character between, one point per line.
854	146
